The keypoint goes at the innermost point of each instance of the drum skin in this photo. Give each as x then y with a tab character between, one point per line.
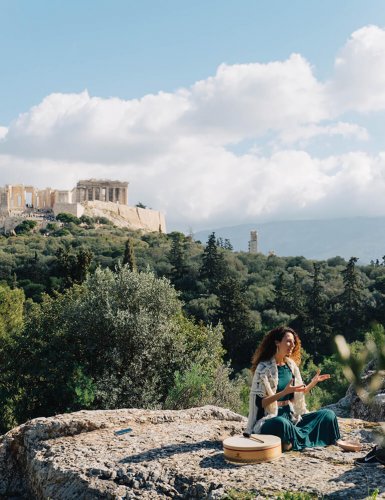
255	449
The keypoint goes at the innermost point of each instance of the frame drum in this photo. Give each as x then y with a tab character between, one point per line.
254	449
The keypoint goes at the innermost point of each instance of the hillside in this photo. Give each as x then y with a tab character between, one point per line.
362	237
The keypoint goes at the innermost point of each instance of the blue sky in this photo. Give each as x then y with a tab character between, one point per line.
129	48
188	125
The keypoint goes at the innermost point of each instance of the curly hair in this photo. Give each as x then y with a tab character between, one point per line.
267	348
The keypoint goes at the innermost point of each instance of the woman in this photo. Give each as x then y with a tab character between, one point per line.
277	396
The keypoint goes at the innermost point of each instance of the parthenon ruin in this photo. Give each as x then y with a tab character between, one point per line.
19	198
104	190
92	197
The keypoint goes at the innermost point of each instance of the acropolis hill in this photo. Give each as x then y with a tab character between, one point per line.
92	197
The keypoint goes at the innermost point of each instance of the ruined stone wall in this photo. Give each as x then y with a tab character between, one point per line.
62	196
16	197
3	201
125	216
44	199
69	208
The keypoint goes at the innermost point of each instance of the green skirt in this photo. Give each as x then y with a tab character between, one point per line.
318	428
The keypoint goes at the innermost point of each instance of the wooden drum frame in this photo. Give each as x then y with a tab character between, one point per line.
252	450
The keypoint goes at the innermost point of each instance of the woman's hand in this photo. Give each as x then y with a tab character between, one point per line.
289	389
319	378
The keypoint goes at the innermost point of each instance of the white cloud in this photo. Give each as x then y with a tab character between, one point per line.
304	133
359	78
175	149
3	132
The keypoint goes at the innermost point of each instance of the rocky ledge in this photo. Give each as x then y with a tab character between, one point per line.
175	454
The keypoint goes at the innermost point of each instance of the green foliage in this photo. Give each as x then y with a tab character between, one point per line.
296	495
354	358
248	294
68	218
351	302
190	388
234	494
11	312
82	387
129	255
73	267
85	219
25	227
240	334
103	220
212	269
114	341
374	494
329	391
11	324
177	257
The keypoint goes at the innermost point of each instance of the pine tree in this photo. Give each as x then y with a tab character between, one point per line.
234	314
351	303
213	269
281	300
177	258
316	328
227	245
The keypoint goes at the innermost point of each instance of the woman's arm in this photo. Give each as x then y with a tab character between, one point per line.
289	389
314	381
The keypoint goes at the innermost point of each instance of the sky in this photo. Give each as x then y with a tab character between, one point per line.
217	112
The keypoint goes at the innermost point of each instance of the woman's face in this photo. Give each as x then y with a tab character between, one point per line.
286	345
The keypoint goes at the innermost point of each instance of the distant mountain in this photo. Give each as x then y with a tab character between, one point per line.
362	237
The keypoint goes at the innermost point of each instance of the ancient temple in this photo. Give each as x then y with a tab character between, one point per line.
101	190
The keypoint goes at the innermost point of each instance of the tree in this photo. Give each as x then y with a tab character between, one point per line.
129	255
73	268
25	227
11	311
282	297
178	259
316	334
212	268
11	324
67	218
234	315
351	302
114	341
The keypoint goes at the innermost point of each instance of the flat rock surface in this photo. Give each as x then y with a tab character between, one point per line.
175	454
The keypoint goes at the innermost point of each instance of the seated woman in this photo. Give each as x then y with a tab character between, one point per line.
277	396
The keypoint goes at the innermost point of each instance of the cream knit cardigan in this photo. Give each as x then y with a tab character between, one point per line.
265	383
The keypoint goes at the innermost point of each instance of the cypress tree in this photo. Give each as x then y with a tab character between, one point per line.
129	255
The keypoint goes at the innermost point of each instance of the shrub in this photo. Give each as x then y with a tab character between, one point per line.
114	341
25	227
67	218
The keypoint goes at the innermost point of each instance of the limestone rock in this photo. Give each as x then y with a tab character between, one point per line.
375	409
353	405
168	454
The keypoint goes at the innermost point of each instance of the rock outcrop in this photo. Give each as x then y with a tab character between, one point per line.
374	409
175	454
353	405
